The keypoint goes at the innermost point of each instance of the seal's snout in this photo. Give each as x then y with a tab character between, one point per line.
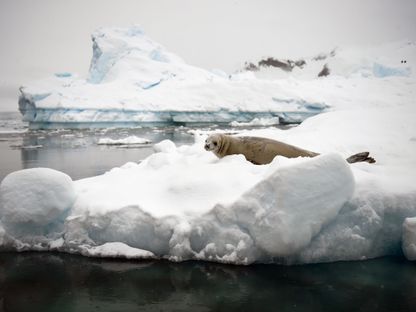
207	145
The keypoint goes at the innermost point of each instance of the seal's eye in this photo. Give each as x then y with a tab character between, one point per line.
215	143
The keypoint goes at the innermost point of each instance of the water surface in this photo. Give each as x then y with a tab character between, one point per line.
61	282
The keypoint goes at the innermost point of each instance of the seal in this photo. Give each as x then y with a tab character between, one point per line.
261	151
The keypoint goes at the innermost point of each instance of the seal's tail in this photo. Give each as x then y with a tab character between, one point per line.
363	156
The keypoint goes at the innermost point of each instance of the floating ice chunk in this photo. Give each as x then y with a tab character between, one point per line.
35	198
257	122
409	238
117	250
131	140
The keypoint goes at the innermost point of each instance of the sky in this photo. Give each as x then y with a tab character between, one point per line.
41	37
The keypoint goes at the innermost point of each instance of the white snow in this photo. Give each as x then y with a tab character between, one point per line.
35	200
130	140
286	210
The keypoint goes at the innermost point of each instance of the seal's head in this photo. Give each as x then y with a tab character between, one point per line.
213	143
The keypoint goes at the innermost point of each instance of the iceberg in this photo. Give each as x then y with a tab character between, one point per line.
135	80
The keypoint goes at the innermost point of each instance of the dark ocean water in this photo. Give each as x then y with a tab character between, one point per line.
75	152
61	282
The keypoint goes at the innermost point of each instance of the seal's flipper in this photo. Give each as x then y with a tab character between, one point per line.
360	157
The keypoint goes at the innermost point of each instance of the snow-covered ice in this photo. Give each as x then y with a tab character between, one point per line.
182	203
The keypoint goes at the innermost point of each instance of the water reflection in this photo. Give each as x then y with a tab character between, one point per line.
60	282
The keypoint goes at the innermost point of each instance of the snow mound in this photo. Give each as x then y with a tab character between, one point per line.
35	200
285	211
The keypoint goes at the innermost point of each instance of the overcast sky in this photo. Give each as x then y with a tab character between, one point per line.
40	37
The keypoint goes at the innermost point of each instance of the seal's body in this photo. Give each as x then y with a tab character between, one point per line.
262	151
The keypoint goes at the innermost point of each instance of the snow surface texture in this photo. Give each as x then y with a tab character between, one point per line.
33	200
133	79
